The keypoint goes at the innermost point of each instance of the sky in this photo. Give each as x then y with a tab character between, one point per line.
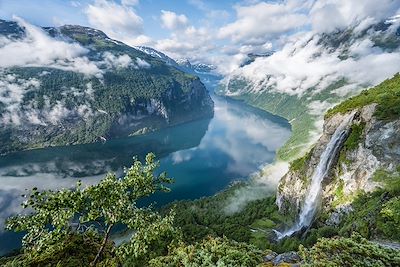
202	30
220	32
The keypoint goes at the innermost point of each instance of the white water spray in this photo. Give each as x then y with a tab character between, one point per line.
314	192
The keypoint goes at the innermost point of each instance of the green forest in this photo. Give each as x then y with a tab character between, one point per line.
73	227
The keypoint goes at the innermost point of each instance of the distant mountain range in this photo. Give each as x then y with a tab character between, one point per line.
312	72
182	64
73	84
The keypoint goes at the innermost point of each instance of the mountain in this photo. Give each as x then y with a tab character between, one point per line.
157	54
181	64
73	84
253	56
206	72
314	72
196	68
358	189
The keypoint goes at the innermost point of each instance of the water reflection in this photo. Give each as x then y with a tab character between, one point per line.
202	156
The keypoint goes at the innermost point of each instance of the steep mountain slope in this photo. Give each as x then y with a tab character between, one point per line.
313	72
364	170
73	85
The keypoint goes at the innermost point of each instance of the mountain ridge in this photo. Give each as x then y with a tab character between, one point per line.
303	96
101	89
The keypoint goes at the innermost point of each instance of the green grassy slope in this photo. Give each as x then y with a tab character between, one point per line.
386	95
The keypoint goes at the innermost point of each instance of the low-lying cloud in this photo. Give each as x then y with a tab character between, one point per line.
306	63
37	49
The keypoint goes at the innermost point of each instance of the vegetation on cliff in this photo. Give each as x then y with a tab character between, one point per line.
353	251
386	95
71	227
129	91
376	214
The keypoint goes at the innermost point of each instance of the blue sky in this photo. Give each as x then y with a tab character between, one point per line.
56	12
221	32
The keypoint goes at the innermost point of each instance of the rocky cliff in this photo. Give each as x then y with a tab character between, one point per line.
73	85
372	145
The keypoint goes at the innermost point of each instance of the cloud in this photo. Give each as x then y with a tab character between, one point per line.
172	21
112	61
244	195
37	49
118	21
141	63
319	107
305	62
130	2
16	112
182	155
75	3
190	42
329	15
12	91
255	23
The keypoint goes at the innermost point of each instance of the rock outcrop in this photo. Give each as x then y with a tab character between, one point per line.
371	145
105	89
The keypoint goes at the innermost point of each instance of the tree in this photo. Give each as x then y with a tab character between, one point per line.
95	210
210	252
353	251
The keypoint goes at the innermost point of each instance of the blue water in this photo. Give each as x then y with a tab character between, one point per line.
202	156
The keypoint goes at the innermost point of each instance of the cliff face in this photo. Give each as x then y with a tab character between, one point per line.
137	116
273	81
372	144
84	87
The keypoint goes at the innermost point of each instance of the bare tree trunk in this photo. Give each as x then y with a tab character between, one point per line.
103	245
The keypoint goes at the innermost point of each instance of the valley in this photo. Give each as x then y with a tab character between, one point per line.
200	133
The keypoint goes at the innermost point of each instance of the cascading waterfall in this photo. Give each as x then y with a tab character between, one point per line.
314	192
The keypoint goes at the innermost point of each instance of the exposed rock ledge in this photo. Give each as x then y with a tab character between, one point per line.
378	147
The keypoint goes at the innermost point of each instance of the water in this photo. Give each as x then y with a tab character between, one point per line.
202	156
314	192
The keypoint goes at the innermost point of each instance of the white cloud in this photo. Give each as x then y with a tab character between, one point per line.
75	3
319	107
117	21
12	91
39	49
130	2
328	15
112	61
304	63
256	23
56	112
191	42
141	63
182	155
172	21
138	40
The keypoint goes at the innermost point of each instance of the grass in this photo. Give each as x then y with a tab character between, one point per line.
376	214
386	95
300	164
355	137
294	108
353	251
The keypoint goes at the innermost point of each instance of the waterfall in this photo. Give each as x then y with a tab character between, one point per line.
314	192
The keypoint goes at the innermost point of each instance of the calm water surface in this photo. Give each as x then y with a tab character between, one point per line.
202	156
